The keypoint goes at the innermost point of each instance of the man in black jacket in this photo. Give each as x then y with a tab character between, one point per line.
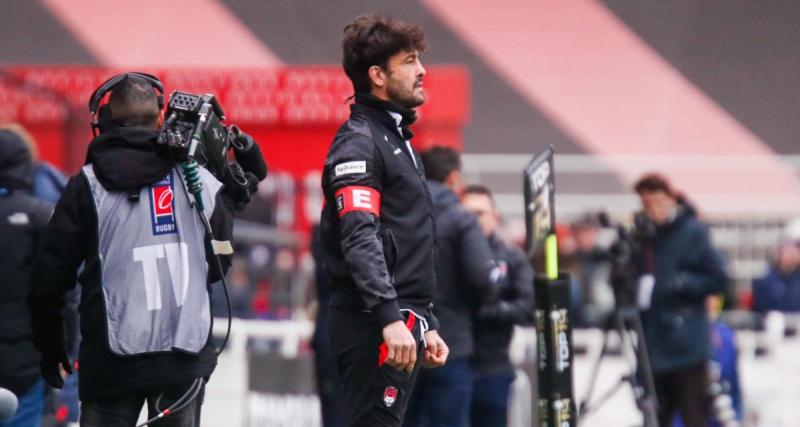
22	219
465	276
377	227
128	220
510	304
680	268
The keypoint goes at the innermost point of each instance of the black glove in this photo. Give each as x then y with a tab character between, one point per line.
248	154
49	365
239	185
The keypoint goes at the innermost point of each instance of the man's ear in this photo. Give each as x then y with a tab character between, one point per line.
377	76
160	119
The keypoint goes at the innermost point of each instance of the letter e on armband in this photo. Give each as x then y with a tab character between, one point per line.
358	198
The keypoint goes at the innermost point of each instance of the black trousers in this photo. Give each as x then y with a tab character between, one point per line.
684	391
374	395
124	412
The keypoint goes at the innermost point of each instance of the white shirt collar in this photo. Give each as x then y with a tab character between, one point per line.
398	118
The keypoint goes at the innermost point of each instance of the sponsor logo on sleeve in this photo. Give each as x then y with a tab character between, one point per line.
350	168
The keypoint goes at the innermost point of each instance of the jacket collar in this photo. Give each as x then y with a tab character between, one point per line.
379	109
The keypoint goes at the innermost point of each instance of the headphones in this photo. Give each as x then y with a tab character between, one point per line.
101	117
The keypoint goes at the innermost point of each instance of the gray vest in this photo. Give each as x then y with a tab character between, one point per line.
153	265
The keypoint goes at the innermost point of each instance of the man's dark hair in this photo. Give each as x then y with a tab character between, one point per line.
439	162
371	40
652	183
134	102
478	189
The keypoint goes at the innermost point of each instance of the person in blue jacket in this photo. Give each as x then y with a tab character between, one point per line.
725	389
779	289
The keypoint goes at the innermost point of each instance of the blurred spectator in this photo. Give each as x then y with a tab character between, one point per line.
22	218
510	303
779	290
725	370
464	270
725	390
593	270
240	292
680	268
329	384
47	182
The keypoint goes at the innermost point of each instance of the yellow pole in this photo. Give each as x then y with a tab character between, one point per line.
551	257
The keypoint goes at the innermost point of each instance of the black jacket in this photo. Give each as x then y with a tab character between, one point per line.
510	304
687	269
22	219
464	269
124	159
377	224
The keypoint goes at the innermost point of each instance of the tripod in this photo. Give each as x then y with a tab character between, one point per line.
626	322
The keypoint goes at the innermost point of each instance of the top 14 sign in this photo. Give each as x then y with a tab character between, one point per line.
539	200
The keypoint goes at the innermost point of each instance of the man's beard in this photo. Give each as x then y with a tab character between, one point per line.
402	96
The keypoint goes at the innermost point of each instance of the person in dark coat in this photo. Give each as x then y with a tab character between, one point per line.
680	269
329	384
22	219
779	289
511	303
464	277
377	228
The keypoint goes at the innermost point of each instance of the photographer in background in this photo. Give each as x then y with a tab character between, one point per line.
147	266
680	268
511	303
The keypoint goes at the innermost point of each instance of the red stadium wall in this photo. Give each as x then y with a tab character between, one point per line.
293	112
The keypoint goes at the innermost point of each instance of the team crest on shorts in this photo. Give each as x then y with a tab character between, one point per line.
162	212
389	396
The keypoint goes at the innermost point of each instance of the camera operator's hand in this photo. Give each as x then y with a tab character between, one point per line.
248	154
239	185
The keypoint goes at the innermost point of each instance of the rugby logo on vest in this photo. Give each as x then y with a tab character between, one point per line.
162	212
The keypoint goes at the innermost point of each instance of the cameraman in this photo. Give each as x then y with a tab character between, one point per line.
680	269
127	220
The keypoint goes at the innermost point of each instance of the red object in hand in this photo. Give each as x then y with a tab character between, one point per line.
383	350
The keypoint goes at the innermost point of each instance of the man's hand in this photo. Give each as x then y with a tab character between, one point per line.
436	350
401	346
52	366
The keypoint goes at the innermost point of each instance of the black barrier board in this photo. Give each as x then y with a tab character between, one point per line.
540	190
553	318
